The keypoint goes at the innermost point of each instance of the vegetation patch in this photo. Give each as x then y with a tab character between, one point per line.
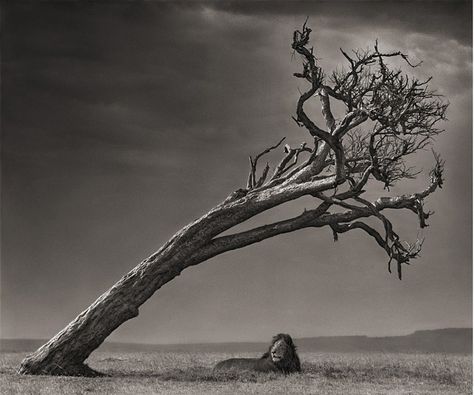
192	373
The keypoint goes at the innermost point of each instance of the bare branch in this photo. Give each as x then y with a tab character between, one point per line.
326	109
263	177
285	165
318	218
396	251
252	179
315	76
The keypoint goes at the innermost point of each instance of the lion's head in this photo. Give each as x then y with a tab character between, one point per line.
282	353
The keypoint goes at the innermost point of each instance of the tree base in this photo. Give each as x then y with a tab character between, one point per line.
81	370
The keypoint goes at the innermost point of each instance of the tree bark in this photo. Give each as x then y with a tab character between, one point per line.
66	352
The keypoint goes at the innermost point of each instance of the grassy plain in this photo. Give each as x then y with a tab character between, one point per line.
191	373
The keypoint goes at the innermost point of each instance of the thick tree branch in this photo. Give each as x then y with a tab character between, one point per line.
319	217
326	109
314	74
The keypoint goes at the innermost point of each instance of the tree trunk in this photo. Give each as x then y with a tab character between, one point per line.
66	352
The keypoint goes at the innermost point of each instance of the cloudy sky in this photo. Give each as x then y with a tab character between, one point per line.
122	122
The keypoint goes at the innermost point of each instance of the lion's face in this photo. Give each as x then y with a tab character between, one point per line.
282	353
279	350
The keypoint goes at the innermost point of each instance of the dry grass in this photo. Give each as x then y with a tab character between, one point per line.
184	373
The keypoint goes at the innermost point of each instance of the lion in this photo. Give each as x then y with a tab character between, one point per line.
280	357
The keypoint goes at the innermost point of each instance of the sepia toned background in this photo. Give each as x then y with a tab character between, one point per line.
123	122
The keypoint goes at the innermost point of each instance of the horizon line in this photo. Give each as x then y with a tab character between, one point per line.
249	341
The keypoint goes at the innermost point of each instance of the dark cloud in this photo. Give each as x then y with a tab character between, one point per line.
441	18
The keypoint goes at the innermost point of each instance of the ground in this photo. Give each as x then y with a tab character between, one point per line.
191	373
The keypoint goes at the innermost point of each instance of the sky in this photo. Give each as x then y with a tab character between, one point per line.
124	121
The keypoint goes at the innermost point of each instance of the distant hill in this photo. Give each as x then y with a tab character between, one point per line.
450	340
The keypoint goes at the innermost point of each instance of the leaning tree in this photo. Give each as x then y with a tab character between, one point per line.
388	117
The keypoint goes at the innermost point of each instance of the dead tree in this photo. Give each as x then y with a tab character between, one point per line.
388	116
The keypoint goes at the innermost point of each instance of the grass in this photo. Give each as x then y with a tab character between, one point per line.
186	373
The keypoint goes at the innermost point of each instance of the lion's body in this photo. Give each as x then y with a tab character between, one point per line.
280	357
256	364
